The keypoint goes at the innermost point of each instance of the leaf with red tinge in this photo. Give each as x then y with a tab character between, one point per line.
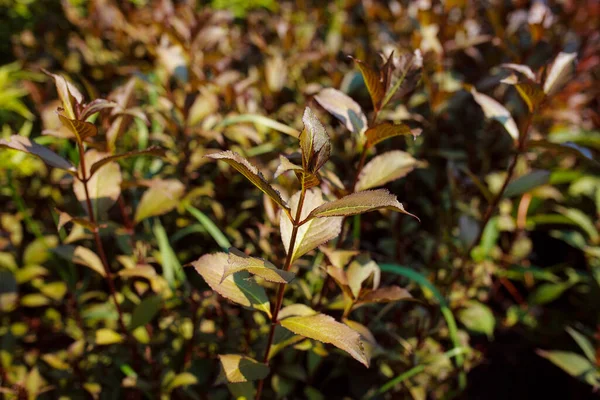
21	143
151	151
384	295
343	108
386	130
374	83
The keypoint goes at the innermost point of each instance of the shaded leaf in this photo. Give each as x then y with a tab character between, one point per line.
161	197
582	220
343	108
82	256
478	317
523	69
496	111
526	183
145	312
366	337
26	145
584	344
384	295
386	130
314	232
238	261
572	363
359	271
561	70
237	288
154	151
385	168
359	203
284	166
531	93
81	130
250	172
237	368
373	81
314	142
259	120
547	292
325	329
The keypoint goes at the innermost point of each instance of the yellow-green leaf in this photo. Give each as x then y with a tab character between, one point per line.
325	329
385	168
237	368
358	203
161	197
106	336
314	232
496	111
343	108
238	261
359	271
26	145
238	288
34	300
181	379
251	173
54	290
386	130
145	311
86	257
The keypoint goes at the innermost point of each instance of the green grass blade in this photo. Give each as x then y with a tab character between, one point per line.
172	270
210	226
260	120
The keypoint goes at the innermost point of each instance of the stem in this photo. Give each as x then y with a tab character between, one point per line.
281	289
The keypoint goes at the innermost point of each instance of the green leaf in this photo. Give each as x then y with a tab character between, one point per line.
237	368
314	142
547	292
34	300
526	183
478	317
26	145
582	220
385	168
586	346
572	363
172	270
251	173
560	72
210	226
359	203
238	261
237	288
343	108
104	187
38	251
153	151
313	233
145	312
54	290
181	379
325	329
496	111
386	130
106	336
161	197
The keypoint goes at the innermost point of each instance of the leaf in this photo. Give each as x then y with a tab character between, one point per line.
67	92
238	261
547	292
237	368
526	183
572	363
384	295
343	108
359	203
161	197
496	111
339	258
80	129
561	70
295	310
154	151
82	256
259	120
385	168
359	271
582	220
181	379
95	106
374	83
237	288
366	337
325	329
251	173
531	93
284	166
314	232
21	143
523	69
478	317
106	336
104	187
314	142
210	226
171	267
584	344
386	130
145	312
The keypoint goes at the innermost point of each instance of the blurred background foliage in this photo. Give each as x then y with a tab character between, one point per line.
523	301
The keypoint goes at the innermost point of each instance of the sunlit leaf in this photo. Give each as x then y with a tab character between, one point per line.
104	187
339	258
67	92
145	312
237	368
358	203
105	336
295	310
21	143
582	220
572	363
314	232
161	197
523	69
496	111
250	172
374	83
285	165
359	271
180	380
367	339
314	142
82	256
81	130
154	151
54	290
584	344
95	106
325	329
343	108
478	317
561	71
238	261
238	288
386	130
385	168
